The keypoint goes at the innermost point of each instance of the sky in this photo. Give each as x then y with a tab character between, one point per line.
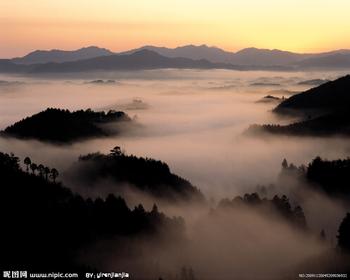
294	25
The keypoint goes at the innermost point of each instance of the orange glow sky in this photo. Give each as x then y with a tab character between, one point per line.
295	25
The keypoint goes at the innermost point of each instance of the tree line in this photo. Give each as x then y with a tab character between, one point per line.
46	225
43	171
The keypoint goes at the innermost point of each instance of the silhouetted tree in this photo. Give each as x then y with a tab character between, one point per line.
344	234
116	151
284	164
302	168
154	209
252	198
292	166
41	169
33	167
187	273
191	274
139	209
54	174
184	273
47	172
27	162
299	217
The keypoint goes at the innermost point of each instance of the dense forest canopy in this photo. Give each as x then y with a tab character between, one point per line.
145	174
334	124
328	97
277	205
325	111
332	176
63	126
344	234
55	223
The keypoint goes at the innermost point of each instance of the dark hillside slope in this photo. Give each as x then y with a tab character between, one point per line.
47	226
63	126
147	175
329	97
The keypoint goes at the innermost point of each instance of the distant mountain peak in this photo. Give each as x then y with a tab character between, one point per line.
55	55
93	48
144	52
253	49
202	46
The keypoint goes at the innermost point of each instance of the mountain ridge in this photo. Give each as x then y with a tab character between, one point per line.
331	96
324	109
56	55
184	57
245	57
140	60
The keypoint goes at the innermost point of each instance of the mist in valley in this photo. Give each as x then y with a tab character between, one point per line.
195	122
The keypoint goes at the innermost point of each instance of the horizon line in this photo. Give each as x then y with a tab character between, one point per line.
180	46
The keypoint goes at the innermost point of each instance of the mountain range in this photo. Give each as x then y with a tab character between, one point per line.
139	60
190	56
254	56
40	56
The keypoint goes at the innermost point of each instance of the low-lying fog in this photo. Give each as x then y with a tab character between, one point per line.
193	120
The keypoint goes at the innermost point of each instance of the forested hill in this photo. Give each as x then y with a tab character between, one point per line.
324	111
277	207
40	215
148	175
63	126
328	97
333	124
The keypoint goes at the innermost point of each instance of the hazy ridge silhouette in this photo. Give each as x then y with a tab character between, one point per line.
325	111
245	59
